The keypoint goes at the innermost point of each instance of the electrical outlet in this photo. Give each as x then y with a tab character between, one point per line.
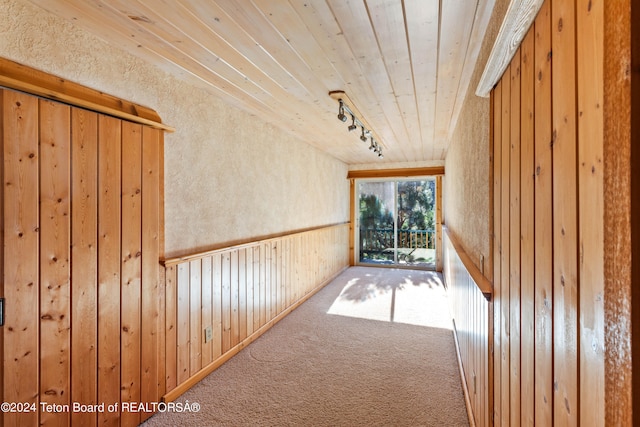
208	334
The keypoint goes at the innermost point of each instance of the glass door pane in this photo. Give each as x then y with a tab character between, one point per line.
376	222
416	223
396	222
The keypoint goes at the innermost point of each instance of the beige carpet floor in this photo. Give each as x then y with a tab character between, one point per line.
373	348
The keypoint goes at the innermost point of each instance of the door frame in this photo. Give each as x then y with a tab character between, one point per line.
396	174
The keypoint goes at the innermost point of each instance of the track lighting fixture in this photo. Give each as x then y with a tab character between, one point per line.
346	107
341	115
352	126
376	148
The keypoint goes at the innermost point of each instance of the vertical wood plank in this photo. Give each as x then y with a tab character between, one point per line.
256	288
291	270
195	316
565	218
295	251
622	209
264	249
226	301
131	268
514	244
505	298
273	281
497	253
250	287
276	276
297	256
109	192
268	253
590	22
489	272
150	263
183	334
84	262
171	321
162	332
527	250
286	301
297	261
216	269
235	321
207	306
242	294
487	362
21	269
543	220
55	269
305	269
162	320
2	184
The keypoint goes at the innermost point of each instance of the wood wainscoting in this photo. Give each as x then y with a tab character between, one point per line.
469	295
548	170
220	301
81	231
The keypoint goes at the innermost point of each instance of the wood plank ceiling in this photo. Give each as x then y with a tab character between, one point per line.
406	65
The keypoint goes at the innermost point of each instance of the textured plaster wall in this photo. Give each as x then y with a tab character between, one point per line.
228	176
466	185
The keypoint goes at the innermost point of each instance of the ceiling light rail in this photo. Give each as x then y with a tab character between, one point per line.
346	110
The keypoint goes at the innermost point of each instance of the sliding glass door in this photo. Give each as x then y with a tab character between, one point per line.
396	222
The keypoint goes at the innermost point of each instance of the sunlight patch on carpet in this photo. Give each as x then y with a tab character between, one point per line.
406	296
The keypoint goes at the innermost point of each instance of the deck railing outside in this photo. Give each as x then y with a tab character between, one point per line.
379	239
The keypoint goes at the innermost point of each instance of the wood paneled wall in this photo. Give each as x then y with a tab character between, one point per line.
548	222
80	223
622	211
240	292
471	313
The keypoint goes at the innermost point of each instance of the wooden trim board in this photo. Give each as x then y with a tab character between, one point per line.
515	26
482	282
26	79
239	244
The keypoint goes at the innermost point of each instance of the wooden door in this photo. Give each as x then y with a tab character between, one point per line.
80	225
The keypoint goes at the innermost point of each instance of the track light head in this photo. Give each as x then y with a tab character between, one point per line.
372	146
352	126
341	116
363	137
